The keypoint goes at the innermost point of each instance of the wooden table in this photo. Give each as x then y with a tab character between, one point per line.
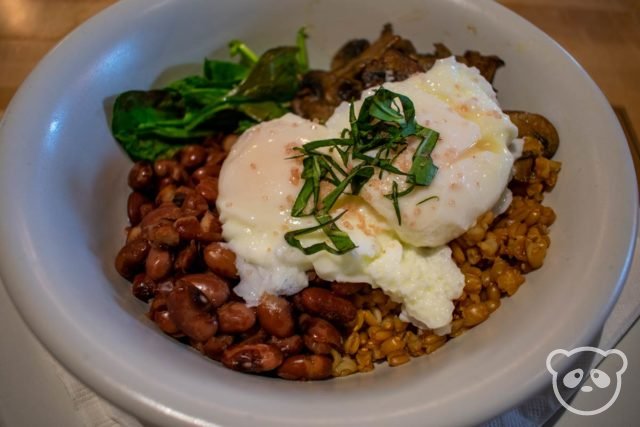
603	35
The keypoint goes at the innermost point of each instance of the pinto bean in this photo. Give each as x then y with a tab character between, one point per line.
220	259
193	156
188	227
164	212
235	317
165	323
215	346
345	289
228	142
252	357
274	315
320	336
210	222
163	182
162	234
211	228
131	257
254	337
159	314
141	176
213	287
208	188
296	301
324	303
216	157
169	168
134	207
180	194
209	236
188	307
158	264
145	209
195	204
159	303
143	287
288	346
186	258
166	195
306	367
203	172
164	287
163	167
133	233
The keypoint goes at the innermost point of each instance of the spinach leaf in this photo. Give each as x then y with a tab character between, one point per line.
198	98
274	77
135	109
151	148
199	90
247	57
277	73
190	83
228	97
262	111
223	73
303	55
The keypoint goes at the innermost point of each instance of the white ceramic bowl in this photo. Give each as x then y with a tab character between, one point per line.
63	181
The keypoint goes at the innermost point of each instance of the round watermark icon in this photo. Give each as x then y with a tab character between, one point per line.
607	383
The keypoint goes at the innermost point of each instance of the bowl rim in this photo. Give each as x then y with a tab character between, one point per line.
128	397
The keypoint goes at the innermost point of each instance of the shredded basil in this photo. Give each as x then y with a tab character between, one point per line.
377	136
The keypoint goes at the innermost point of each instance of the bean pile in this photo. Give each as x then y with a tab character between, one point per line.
176	260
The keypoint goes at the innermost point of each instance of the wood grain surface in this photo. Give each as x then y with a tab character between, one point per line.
603	35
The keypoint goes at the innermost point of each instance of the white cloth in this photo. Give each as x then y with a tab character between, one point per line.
93	411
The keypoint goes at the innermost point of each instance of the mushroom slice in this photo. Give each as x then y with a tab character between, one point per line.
537	126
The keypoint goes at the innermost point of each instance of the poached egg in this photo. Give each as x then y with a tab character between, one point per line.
260	180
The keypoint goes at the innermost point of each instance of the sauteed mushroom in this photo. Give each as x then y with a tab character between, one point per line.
537	126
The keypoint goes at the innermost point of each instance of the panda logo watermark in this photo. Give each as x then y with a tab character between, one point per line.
601	380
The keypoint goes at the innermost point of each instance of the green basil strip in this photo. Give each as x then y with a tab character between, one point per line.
333	142
378	135
303	199
382	164
362	176
331	198
423	170
339	238
344	243
427	199
394	200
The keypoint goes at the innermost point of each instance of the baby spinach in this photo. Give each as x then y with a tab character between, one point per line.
135	108
227	97
224	73
271	76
